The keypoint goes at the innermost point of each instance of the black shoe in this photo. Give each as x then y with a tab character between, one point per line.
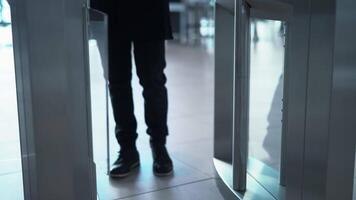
162	163
125	164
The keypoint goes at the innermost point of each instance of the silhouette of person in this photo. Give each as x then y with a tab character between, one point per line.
142	26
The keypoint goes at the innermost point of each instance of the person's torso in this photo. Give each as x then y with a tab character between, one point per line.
138	19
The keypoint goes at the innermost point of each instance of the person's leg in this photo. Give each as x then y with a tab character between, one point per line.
150	65
120	67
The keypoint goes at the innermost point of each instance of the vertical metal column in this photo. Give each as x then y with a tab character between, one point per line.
319	140
52	73
241	95
342	137
283	165
224	76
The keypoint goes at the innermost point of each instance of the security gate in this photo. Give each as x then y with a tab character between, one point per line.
52	73
304	142
317	139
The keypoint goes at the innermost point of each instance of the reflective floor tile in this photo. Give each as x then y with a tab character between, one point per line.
196	154
142	180
11	187
204	190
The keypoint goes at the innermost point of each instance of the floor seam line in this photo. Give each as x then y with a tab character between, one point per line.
203	139
191	166
10	173
165	188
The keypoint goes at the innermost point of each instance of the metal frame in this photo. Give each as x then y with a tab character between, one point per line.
319	94
52	74
270	9
241	95
51	60
342	138
244	10
320	71
297	68
24	98
239	66
282	177
224	82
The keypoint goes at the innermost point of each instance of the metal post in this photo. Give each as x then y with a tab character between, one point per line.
241	96
107	128
52	74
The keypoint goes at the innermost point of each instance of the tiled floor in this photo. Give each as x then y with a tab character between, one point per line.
201	190
190	84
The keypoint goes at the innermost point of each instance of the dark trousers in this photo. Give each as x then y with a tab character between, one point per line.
150	64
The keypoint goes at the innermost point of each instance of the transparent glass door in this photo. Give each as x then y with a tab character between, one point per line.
98	57
11	183
258	95
266	101
266	91
100	101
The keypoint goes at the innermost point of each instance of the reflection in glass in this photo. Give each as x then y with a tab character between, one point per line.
10	154
266	93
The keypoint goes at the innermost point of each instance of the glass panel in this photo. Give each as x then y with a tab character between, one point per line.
99	95
10	154
266	93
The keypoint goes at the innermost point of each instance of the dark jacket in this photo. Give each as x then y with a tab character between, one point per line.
137	19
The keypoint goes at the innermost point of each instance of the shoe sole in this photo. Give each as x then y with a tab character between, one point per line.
133	166
163	174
